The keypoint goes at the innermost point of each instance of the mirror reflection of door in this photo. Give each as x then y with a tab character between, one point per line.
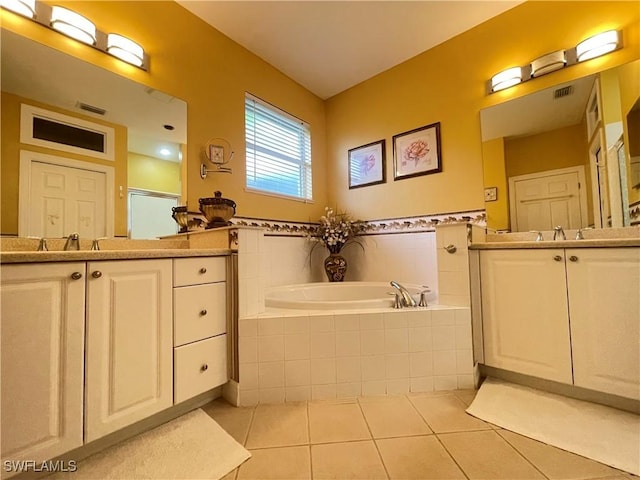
544	200
60	196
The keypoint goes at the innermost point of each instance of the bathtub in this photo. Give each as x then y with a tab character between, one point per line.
337	296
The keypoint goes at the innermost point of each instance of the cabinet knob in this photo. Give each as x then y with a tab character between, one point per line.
96	274
203	313
204	368
76	276
451	248
203	270
558	258
573	258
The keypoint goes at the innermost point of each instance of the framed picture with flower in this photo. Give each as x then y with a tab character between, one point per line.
417	152
367	165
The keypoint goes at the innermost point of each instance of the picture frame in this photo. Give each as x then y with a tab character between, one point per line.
367	164
417	152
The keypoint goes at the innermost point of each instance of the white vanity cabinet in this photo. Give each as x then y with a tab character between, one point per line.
569	315
129	374
524	312
200	325
604	303
42	332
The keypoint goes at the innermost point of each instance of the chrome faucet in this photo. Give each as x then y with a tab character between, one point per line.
423	297
539	237
407	300
579	235
73	242
558	233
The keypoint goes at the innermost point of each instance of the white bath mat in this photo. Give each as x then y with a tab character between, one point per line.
604	434
192	446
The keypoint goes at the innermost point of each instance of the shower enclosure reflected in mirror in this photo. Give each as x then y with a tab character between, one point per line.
560	156
55	183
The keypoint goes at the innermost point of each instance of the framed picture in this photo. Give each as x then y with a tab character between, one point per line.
417	152
367	165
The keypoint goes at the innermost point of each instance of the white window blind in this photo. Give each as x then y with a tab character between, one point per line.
278	151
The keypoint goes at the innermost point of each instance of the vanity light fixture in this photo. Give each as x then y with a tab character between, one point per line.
597	45
73	25
125	49
548	63
592	47
506	79
79	28
26	8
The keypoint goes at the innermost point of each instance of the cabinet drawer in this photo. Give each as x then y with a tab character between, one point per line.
198	270
199	367
199	312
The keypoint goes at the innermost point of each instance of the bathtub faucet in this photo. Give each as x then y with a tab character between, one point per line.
407	300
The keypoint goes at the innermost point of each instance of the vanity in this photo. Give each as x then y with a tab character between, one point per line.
95	342
565	311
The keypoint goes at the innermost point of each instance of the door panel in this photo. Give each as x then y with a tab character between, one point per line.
543	201
42	360
66	200
524	311
129	343
605	319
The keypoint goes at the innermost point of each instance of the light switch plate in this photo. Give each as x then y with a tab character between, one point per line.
491	194
216	154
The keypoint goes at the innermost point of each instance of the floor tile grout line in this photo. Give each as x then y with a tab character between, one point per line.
375	444
420	414
522	455
246	439
453	458
309	439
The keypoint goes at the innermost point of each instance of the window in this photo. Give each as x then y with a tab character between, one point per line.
278	151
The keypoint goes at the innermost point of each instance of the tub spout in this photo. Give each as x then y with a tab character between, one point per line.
407	300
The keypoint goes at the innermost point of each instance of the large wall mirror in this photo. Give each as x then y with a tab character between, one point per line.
561	156
53	181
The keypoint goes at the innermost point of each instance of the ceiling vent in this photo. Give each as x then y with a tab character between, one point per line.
563	92
90	108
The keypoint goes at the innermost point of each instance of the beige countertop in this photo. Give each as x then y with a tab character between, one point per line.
587	243
99	255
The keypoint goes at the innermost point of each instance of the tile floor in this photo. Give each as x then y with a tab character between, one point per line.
415	436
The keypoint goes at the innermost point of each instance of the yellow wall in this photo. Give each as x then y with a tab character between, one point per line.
629	76
610	96
495	176
194	62
149	173
10	164
447	84
560	148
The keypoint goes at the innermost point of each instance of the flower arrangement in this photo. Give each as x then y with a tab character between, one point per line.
337	229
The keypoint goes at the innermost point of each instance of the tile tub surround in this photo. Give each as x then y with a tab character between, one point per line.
297	356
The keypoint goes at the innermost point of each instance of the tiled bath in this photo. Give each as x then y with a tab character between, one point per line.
299	355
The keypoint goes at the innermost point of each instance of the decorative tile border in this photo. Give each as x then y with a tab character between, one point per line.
634	213
425	223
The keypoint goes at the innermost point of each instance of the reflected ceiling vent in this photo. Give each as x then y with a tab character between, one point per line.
90	108
563	92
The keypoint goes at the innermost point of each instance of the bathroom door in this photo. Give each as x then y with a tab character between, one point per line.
543	200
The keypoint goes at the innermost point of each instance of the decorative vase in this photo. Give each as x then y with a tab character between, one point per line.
336	267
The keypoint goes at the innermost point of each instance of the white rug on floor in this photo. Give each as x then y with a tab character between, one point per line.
601	433
192	446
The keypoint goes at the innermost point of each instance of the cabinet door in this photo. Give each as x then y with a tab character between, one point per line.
42	311
604	304
129	343
524	312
